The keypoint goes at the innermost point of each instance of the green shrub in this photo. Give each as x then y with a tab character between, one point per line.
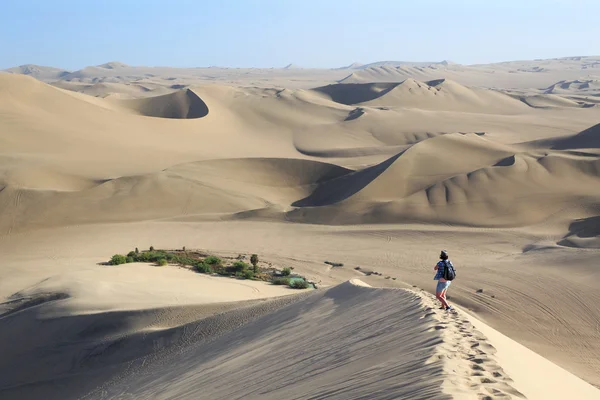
299	284
286	271
203	268
151	248
118	259
130	260
162	262
248	274
240	266
222	270
212	260
181	259
281	281
131	254
151	256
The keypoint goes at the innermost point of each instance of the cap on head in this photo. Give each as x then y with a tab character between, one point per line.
444	255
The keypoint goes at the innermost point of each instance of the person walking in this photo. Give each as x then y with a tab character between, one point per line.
444	275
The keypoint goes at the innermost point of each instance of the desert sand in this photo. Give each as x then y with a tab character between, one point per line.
376	166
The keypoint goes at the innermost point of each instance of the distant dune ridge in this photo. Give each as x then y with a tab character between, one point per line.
374	167
184	104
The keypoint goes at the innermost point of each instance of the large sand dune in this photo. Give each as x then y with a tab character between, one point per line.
498	163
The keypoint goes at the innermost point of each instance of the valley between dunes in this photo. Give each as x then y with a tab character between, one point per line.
378	169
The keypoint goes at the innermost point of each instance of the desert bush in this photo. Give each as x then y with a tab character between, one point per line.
183	260
281	281
151	248
240	266
131	254
151	256
130	260
118	259
286	271
223	271
203	268
248	274
212	260
162	262
299	284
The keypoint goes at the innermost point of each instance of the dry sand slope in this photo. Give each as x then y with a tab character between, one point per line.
348	342
507	180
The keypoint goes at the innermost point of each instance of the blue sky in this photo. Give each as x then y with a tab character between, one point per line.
72	34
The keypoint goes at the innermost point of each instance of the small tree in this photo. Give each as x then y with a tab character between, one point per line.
137	251
151	248
254	262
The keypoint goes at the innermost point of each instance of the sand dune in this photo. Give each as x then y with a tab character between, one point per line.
378	172
568	87
588	139
118	90
440	94
184	104
398	351
39	72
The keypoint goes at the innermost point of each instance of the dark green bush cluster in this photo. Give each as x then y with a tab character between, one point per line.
212	260
299	284
118	259
203	268
208	265
281	281
293	283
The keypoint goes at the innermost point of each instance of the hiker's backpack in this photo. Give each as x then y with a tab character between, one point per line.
449	271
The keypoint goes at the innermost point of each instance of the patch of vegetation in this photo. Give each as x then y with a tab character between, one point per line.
281	281
212	260
162	262
118	259
240	266
299	284
209	264
203	268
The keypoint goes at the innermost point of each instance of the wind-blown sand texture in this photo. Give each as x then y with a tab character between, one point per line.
376	166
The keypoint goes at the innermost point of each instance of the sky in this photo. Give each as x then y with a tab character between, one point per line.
72	34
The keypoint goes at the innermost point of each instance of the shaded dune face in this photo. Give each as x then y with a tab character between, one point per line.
184	104
354	93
